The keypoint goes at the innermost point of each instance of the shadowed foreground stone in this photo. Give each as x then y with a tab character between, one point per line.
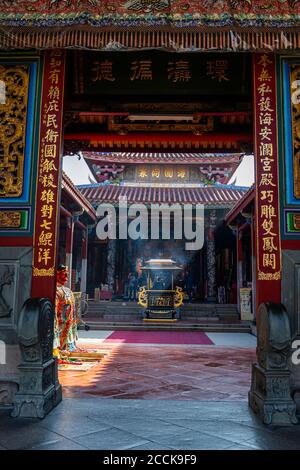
270	394
39	390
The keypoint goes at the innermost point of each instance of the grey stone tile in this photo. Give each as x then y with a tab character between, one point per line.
194	440
241	447
7	422
273	442
98	423
147	428
62	444
69	425
2	448
111	439
200	418
286	431
22	436
240	340
233	431
151	446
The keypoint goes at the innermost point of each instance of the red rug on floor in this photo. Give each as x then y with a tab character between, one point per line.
159	337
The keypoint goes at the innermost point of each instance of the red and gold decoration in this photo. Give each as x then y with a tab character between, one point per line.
65	324
10	219
47	195
65	349
295	117
164	142
208	11
14	86
124	12
267	193
133	24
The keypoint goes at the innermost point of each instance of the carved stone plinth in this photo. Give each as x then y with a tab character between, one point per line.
39	390
270	396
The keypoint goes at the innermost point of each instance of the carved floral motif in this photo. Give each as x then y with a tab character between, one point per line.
10	219
295	75
116	12
13	113
7	276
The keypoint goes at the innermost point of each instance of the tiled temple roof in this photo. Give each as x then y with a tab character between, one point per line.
209	196
248	198
175	158
77	196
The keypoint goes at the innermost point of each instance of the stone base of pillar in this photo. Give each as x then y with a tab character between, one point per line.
39	390
270	396
38	395
211	299
8	389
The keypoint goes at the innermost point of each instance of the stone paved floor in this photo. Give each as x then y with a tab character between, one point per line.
112	424
166	372
155	398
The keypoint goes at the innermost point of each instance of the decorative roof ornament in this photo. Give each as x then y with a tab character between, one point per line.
231	25
147	5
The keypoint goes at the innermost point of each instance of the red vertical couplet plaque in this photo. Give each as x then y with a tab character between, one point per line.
268	249
48	176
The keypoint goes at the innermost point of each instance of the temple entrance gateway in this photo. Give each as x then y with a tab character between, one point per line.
197	107
155	130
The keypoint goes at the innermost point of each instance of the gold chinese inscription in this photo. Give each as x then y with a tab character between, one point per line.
218	70
295	77
103	71
10	219
48	170
14	80
162	173
141	70
267	208
179	71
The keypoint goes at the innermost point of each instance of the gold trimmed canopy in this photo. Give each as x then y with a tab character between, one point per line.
177	25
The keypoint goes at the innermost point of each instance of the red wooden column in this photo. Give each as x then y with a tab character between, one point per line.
267	227
69	247
48	177
253	247
84	252
239	262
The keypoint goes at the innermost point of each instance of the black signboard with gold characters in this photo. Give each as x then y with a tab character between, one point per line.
160	73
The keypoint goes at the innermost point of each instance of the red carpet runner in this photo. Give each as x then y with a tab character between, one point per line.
159	337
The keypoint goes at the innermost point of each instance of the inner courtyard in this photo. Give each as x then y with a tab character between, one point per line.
149	224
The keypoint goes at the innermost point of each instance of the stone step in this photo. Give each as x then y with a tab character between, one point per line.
192	310
178	326
193	316
116	311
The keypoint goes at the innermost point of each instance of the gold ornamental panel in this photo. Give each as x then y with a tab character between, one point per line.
295	75
14	84
296	220
10	219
